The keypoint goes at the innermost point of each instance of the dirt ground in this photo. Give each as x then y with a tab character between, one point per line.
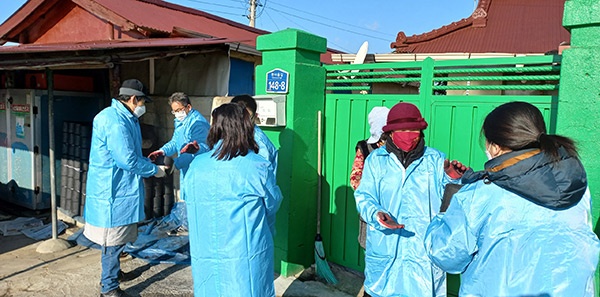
76	271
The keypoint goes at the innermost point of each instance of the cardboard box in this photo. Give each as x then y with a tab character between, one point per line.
61	82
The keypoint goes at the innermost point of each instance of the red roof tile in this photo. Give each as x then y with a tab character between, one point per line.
496	26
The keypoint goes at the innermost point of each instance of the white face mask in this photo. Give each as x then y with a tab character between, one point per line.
488	155
180	115
139	110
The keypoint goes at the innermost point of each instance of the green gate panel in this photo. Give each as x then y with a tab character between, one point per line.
454	97
454	128
454	124
345	124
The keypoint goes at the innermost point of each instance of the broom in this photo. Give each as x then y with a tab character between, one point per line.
322	267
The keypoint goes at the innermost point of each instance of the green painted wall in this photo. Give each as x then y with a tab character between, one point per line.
579	95
298	53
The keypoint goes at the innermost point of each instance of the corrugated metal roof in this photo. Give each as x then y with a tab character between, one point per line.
104	53
496	26
150	15
114	44
163	16
142	16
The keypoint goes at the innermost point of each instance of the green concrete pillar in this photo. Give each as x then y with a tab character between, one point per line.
297	53
579	94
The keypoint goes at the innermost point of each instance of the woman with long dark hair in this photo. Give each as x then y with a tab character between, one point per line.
522	226
231	201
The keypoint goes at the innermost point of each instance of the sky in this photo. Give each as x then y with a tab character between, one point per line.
345	24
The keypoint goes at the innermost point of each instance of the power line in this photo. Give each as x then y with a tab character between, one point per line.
282	13
263	8
220	5
274	23
336	21
245	2
217	12
302	27
329	26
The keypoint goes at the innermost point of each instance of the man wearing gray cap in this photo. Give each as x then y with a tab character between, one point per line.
115	192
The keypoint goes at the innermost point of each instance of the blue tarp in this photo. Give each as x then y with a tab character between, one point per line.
45	231
153	243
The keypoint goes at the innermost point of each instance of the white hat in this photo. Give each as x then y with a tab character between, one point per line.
377	119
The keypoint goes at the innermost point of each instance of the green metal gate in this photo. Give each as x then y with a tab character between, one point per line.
454	97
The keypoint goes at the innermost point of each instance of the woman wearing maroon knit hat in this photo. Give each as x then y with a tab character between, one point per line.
400	192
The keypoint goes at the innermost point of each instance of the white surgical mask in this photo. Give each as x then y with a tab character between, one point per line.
180	115
488	155
139	110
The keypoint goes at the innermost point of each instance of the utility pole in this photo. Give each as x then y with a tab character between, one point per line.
252	12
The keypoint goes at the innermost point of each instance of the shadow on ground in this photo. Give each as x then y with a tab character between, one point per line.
308	284
9	211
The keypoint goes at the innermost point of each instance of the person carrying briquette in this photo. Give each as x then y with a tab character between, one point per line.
115	193
399	193
189	136
189	139
523	225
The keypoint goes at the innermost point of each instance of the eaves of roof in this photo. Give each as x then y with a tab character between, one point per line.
105	53
114	44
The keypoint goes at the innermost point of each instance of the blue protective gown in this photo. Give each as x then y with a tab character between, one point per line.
396	263
193	127
115	191
266	149
230	205
507	245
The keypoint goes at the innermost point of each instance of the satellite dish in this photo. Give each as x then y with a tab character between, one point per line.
359	58
362	53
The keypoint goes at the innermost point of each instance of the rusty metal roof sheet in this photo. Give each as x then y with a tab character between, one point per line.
496	26
155	16
144	15
163	16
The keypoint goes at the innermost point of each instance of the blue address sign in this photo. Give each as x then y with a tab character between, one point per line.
278	81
